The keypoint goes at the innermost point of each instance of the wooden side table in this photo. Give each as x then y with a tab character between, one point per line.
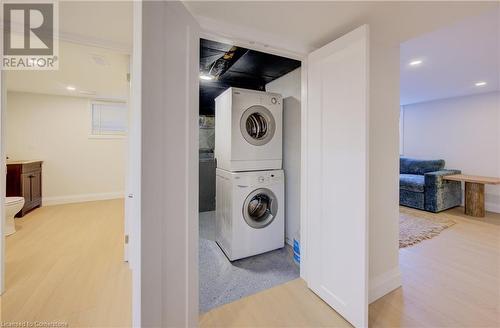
474	192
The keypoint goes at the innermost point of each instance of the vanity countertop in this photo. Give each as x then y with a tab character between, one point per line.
29	161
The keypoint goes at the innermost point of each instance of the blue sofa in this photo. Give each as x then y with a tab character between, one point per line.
421	185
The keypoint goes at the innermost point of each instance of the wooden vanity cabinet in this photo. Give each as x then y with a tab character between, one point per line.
24	179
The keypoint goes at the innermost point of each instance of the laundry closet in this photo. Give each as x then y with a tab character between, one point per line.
247	236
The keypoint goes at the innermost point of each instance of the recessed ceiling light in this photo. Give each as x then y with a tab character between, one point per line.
70	88
480	84
206	77
90	93
416	62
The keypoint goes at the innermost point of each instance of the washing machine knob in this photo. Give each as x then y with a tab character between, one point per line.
261	179
274	100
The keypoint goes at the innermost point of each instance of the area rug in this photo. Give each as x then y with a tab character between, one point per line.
414	229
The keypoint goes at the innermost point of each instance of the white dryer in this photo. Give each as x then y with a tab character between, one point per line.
250	212
248	130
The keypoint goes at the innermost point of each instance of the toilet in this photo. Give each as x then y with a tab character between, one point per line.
12	206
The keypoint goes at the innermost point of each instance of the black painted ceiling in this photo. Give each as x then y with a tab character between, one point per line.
242	68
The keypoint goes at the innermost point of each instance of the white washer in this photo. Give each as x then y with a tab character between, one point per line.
250	212
248	130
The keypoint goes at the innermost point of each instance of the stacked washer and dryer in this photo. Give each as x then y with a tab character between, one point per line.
250	196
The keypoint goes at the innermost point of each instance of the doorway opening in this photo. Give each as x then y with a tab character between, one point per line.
449	123
66	141
448	89
249	172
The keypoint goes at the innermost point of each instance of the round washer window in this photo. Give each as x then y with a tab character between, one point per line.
257	125
260	208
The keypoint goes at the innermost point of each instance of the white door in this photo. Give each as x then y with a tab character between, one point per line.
336	175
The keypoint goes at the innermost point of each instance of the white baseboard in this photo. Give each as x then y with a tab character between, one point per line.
492	207
384	284
57	200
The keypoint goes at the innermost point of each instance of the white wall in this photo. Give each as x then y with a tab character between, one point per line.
55	129
464	131
384	273
392	23
169	186
384	270
289	86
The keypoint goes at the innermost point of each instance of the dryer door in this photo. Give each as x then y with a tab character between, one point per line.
260	208
257	125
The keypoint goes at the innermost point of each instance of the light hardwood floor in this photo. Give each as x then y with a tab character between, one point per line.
452	280
287	305
65	264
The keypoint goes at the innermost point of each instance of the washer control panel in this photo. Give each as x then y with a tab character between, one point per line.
270	176
259	178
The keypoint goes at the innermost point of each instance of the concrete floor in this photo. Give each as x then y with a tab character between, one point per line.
223	282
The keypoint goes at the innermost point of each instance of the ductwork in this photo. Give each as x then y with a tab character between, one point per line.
221	65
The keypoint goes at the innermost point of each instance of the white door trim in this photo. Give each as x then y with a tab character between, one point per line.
303	171
238	35
134	221
3	182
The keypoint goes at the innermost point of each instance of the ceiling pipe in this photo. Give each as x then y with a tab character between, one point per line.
222	64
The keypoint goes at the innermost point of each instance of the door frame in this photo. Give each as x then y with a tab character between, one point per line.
218	33
134	174
212	33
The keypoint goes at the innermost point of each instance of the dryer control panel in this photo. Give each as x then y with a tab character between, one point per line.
271	100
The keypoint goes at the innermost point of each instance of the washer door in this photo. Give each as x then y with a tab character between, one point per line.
260	208
257	125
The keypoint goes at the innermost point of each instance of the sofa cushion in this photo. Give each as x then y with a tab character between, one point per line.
419	166
412	182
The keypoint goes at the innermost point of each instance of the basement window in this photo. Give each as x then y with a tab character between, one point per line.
108	119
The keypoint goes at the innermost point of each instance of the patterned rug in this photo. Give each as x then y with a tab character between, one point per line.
413	229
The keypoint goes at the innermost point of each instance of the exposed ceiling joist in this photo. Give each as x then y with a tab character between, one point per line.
236	67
